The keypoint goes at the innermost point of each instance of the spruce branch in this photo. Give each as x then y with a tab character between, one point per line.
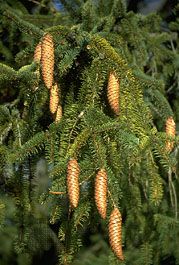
79	141
30	147
22	25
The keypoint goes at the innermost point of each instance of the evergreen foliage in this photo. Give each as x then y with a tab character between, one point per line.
91	38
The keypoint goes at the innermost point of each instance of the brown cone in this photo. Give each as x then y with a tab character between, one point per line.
58	114
101	192
37	53
73	171
115	234
54	98
47	60
170	131
113	93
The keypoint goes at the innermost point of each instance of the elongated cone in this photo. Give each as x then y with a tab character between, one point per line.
170	131
58	114
37	53
113	93
101	192
115	233
47	60
73	171
54	98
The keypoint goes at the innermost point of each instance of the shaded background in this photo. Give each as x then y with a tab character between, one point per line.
141	6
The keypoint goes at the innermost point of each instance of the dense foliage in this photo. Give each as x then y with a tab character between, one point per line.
91	40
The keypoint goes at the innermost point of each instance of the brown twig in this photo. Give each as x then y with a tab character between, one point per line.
56	192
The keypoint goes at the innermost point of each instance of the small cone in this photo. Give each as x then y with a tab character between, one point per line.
73	171
115	233
37	53
58	114
170	131
47	60
54	98
101	192
113	93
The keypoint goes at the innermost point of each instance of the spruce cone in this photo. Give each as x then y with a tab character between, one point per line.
170	131
73	171
54	98
101	192
58	114
113	93
115	234
47	60
37	52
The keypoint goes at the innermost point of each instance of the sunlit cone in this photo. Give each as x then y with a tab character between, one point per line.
54	98
47	60
101	192
37	52
170	131
113	93
73	171
115	233
58	114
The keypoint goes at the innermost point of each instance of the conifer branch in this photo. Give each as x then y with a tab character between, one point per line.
23	25
79	141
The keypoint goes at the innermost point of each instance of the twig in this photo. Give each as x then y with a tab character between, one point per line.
37	3
5	133
19	134
86	179
73	127
175	199
114	205
56	192
173	196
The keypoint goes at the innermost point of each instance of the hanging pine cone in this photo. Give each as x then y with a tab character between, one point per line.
73	171
115	234
37	52
170	131
101	192
47	60
54	98
113	93
58	114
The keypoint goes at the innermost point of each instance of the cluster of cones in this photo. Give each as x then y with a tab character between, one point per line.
113	99
101	190
44	55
